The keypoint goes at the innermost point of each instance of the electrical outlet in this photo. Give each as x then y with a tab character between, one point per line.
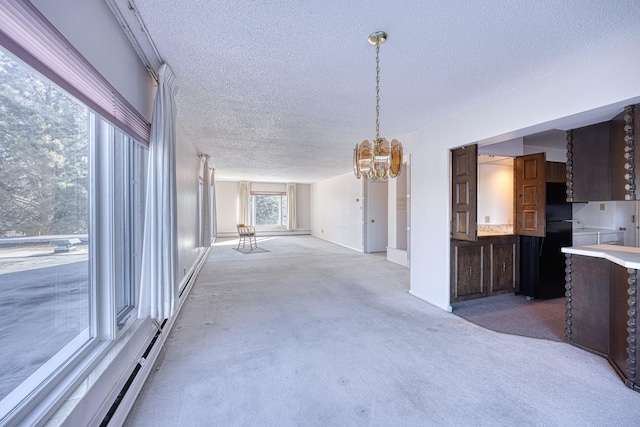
602	206
487	219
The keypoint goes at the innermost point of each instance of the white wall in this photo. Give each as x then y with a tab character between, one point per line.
227	204
336	210
495	194
551	154
188	168
303	206
585	86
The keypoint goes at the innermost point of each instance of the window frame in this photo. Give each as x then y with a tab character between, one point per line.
45	389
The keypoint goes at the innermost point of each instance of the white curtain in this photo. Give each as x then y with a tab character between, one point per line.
214	219
158	288
244	198
292	220
205	232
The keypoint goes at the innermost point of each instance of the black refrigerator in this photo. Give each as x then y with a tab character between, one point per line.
541	261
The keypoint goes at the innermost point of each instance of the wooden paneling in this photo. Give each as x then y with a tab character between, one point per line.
464	190
591	163
530	194
590	303
618	310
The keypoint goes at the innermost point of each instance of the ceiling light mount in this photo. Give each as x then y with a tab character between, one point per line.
377	38
378	160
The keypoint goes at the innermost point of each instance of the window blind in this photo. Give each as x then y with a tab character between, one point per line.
29	36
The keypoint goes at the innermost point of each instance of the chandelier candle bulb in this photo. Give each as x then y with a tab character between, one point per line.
380	160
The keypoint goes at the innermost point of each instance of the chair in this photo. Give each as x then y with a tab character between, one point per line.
247	232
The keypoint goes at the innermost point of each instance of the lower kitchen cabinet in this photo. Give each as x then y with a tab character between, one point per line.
486	267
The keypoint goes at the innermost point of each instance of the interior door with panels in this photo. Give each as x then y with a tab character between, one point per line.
530	195
464	189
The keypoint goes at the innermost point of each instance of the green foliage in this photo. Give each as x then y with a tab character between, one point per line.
43	156
270	210
266	210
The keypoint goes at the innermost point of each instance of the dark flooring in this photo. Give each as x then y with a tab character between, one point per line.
515	314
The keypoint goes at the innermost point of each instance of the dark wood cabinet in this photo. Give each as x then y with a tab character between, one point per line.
504	266
591	163
486	267
468	271
601	312
590	303
598	161
556	172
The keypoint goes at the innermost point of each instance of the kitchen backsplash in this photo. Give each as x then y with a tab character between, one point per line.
495	228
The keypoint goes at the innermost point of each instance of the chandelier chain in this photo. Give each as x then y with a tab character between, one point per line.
377	92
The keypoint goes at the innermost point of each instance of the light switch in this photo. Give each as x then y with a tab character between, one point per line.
602	206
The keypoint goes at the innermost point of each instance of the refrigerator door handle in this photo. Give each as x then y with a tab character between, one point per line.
541	246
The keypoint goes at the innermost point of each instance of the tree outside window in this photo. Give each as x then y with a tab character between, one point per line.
269	210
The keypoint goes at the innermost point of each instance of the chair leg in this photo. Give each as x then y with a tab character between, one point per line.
253	243
240	239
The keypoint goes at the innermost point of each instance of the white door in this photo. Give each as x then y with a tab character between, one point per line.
375	225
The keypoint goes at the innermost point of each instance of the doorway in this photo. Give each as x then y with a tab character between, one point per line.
375	216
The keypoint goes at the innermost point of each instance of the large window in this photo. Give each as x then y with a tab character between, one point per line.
129	177
72	188
269	209
45	281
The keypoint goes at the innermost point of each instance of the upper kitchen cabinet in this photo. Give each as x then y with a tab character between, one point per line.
589	163
601	160
464	188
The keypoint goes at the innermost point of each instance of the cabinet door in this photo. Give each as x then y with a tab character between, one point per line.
591	163
503	267
468	273
590	303
464	189
530	194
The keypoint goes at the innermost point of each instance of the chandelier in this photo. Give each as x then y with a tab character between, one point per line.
378	160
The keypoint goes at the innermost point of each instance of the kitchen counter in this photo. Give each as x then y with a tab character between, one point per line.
494	233
624	256
591	230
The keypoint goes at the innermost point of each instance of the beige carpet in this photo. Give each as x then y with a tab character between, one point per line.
314	334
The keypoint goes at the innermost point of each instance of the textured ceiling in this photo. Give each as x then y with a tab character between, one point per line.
282	90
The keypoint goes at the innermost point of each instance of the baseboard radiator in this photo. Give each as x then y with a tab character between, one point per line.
126	398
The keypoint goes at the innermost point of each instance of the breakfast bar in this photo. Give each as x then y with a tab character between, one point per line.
601	304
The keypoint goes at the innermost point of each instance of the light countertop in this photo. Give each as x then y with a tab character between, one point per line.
593	230
625	256
494	233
